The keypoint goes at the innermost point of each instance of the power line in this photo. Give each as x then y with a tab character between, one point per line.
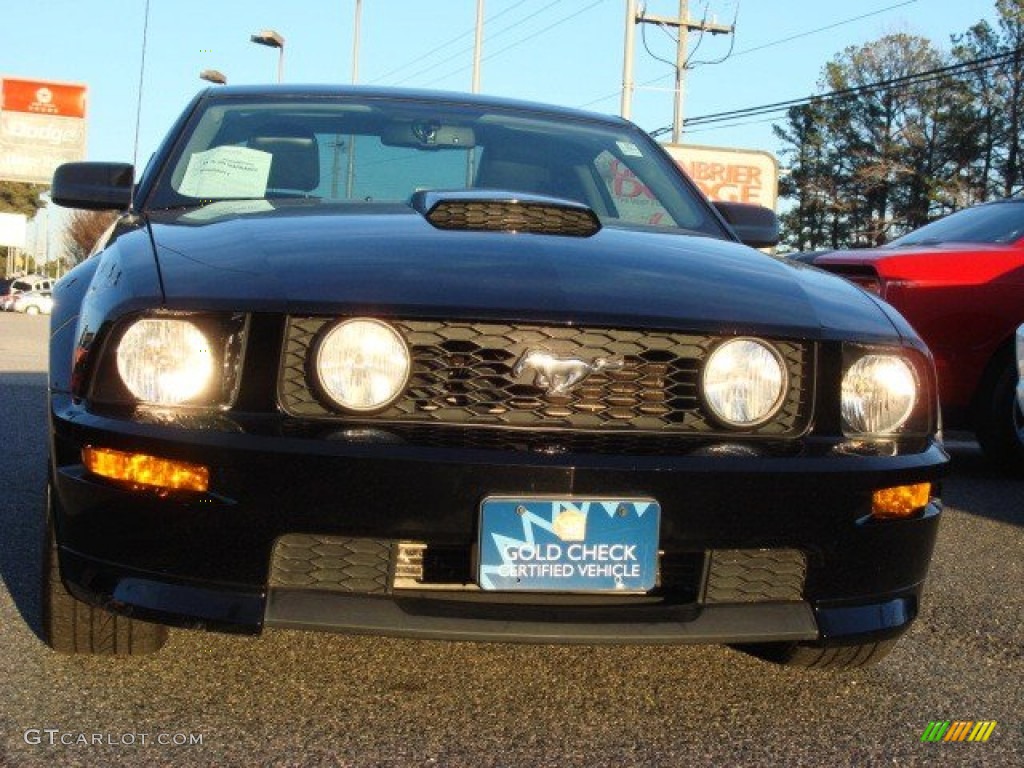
440	47
462	51
527	38
822	29
780	41
454	40
916	78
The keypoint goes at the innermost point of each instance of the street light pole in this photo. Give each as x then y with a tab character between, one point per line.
355	43
272	39
478	44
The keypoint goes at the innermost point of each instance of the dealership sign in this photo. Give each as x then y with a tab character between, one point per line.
733	175
42	124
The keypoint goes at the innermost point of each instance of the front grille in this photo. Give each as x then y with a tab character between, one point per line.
464	374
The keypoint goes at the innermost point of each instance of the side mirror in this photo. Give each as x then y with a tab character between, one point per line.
98	186
755	225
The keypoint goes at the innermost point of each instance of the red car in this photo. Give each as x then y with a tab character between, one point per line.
960	283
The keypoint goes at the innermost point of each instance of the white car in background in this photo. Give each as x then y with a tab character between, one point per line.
33	302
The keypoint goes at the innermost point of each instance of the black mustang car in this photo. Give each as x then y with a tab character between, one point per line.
464	368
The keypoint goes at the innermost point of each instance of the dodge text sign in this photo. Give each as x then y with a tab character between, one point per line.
734	175
42	124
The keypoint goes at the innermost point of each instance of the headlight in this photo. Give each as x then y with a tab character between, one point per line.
165	361
362	364
744	382
879	394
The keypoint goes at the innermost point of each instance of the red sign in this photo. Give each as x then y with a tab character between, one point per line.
42	98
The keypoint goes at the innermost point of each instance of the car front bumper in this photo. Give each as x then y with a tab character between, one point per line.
755	546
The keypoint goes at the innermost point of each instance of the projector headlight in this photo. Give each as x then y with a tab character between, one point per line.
362	365
744	382
879	394
165	361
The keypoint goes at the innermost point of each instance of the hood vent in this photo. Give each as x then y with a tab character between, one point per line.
496	211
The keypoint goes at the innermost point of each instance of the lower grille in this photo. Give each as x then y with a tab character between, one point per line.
465	374
755	575
386	566
332	563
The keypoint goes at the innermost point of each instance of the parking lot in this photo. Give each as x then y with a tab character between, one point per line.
293	698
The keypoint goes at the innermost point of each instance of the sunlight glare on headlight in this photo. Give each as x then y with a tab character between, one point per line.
744	382
879	394
165	361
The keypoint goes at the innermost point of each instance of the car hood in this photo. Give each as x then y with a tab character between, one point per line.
390	261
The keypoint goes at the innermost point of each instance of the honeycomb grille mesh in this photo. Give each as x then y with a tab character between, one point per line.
332	563
507	216
464	374
755	575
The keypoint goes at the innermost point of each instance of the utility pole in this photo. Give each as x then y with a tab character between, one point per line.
627	60
684	25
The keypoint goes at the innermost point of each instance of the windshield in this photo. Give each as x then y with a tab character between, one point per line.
373	150
994	223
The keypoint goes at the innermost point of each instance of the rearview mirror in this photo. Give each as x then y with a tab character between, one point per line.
428	134
97	186
755	225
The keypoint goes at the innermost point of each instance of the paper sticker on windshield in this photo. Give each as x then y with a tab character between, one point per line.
227	172
629	149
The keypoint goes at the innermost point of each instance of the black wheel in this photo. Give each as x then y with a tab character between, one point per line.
812	656
999	423
32	310
71	626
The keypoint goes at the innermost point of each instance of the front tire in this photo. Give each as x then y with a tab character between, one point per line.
73	627
999	421
821	657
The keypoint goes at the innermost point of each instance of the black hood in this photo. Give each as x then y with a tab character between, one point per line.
390	261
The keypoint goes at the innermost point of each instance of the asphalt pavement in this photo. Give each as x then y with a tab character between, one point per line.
292	698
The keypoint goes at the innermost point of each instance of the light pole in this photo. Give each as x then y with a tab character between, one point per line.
478	42
272	39
355	42
213	76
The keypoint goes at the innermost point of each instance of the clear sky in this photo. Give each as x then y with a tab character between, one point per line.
568	52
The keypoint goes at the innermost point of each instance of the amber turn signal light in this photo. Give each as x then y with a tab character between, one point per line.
140	469
901	501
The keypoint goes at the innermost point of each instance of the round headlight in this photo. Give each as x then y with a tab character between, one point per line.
879	393
362	365
744	382
165	361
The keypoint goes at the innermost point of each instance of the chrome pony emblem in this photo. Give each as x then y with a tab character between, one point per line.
560	375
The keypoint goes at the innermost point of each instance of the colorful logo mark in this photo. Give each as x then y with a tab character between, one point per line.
958	730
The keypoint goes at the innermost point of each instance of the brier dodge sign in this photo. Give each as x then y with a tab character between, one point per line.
42	124
734	175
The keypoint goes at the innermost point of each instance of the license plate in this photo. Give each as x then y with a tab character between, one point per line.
545	544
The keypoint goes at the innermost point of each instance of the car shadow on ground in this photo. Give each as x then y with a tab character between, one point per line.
22	478
977	487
